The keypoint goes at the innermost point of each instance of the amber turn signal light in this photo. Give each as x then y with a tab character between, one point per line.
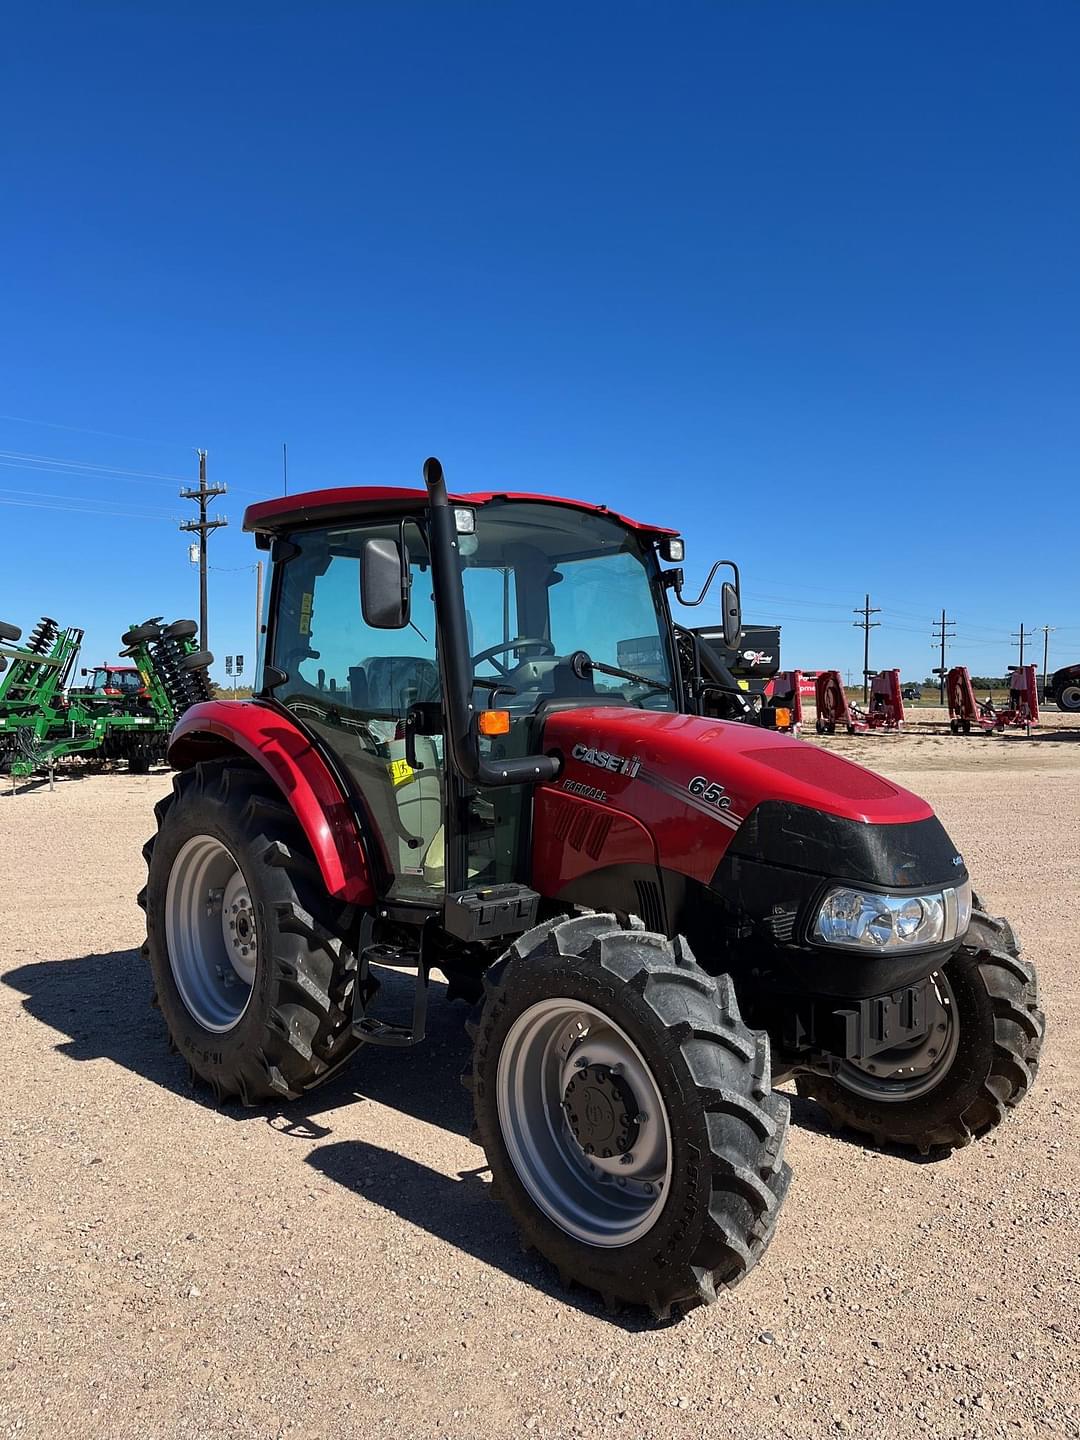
494	722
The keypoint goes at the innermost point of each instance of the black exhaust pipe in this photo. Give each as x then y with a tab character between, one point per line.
457	661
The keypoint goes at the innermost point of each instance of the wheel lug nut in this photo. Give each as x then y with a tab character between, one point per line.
626	1159
581	1064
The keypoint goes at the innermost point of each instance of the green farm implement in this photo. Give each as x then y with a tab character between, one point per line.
43	722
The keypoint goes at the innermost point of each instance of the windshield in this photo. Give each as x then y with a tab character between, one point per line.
543	582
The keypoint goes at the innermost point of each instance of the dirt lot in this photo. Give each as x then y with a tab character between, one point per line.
337	1269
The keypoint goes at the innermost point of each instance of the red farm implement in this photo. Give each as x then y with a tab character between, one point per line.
967	713
884	712
785	701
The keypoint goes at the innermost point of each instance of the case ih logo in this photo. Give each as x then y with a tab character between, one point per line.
605	760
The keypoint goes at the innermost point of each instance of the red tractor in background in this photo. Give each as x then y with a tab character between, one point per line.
116	688
480	744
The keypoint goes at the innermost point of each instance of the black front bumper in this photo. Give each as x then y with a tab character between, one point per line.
855	1029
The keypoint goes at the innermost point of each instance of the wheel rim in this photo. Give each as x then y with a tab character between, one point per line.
1070	696
567	1067
907	1071
211	934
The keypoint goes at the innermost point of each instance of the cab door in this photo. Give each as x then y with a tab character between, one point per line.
353	686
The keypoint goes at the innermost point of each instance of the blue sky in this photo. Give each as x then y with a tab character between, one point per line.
799	279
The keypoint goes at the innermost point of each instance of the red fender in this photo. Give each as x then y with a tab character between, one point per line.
217	727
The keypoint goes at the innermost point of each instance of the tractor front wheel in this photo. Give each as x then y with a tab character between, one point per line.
251	960
627	1113
1067	697
977	1060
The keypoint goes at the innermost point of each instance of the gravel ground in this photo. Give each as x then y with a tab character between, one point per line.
337	1269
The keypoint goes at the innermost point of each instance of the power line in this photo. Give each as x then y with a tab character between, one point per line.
49	495
82	430
85	510
86	469
50	460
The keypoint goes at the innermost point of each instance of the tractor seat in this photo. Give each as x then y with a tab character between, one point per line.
389	684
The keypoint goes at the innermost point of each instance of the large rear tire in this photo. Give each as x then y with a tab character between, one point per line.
627	1113
251	960
991	1036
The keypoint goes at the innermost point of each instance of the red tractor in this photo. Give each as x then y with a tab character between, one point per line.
480	745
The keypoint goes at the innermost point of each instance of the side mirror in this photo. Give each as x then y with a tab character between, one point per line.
384	585
730	614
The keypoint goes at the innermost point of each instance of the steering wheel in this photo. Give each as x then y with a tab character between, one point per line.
501	649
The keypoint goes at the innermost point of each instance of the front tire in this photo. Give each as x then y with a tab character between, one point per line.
251	961
1067	697
627	1114
992	1039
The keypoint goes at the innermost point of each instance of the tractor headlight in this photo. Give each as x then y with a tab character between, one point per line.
862	920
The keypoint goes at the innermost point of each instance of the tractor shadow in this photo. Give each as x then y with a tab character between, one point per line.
101	1002
808	1115
459	1211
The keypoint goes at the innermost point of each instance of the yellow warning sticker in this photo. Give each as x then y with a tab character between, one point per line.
744	684
400	771
305	612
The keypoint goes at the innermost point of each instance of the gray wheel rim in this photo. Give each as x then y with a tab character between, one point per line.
909	1071
601	1201
1069	697
210	933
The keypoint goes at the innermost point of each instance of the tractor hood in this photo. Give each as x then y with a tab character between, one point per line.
694	783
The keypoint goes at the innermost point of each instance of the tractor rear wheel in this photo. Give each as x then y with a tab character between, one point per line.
1067	697
978	1059
251	961
627	1113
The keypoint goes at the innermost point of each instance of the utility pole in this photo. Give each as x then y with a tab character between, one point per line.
1022	635
202	527
866	625
947	629
1047	630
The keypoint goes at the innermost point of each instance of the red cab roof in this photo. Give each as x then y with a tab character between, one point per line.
267	517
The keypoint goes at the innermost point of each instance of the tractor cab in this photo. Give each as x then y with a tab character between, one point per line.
114	686
562	606
116	681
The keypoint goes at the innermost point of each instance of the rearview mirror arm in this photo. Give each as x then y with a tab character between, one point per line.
677	583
